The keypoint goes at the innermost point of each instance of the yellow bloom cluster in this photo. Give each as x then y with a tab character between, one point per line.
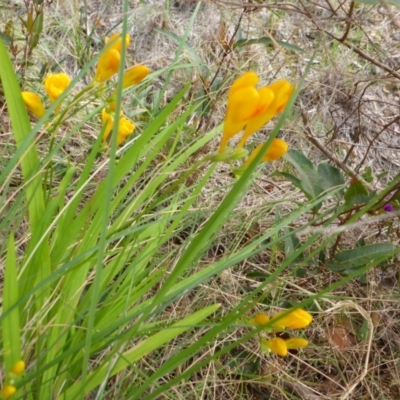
250	109
295	319
107	67
9	389
54	85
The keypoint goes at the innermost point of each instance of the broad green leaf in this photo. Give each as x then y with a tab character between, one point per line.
356	194
295	181
266	41
309	177
361	256
331	177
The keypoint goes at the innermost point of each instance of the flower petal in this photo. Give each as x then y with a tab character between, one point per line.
55	84
282	91
33	103
296	343
260	319
135	75
241	105
248	79
297	319
108	65
276	150
116	38
276	345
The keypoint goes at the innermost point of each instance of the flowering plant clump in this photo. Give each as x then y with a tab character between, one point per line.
295	319
107	67
250	109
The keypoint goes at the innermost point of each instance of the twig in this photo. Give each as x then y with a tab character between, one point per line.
320	146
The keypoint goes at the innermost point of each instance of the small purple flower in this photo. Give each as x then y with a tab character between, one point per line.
388	207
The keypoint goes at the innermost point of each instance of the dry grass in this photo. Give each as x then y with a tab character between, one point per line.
351	105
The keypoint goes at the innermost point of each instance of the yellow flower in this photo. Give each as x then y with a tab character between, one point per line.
281	347
242	100
18	368
108	65
125	129
33	103
7	391
297	319
276	345
116	40
252	108
135	75
108	120
281	92
55	84
296	343
277	149
125	126
110	60
260	319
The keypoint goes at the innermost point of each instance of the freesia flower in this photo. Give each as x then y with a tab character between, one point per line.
55	84
125	129
110	60
276	150
125	126
280	346
7	391
282	90
296	319
108	65
250	108
135	75
33	103
116	41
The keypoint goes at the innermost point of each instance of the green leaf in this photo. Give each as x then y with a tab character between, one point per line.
21	129
331	177
139	351
353	259
356	194
268	42
292	243
367	175
295	181
309	177
11	322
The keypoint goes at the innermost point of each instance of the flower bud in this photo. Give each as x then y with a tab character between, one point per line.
135	75
18	368
7	391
